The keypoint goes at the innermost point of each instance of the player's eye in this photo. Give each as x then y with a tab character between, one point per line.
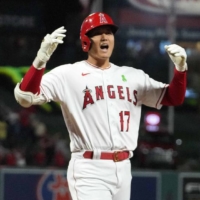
99	31
94	33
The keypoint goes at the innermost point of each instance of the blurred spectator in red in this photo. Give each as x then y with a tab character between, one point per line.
62	152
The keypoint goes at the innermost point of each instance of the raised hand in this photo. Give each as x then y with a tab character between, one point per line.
178	56
50	43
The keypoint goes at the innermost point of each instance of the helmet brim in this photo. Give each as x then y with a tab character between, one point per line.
114	29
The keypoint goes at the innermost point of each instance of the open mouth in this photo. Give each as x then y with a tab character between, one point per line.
104	46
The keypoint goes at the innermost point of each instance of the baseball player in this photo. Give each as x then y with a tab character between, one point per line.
101	105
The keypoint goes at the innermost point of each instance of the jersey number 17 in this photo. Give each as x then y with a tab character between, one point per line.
124	120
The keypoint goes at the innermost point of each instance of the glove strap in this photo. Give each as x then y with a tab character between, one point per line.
182	69
38	64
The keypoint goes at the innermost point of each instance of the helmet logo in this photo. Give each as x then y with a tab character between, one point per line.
102	19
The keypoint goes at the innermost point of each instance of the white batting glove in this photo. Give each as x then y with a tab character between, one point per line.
48	46
178	56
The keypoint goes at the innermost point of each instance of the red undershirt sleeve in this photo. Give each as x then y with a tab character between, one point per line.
32	79
175	92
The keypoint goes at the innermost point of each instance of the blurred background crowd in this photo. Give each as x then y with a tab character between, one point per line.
25	140
169	139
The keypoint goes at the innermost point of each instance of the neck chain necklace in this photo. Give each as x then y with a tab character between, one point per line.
99	67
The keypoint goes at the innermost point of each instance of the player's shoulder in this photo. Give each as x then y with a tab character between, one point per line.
127	69
65	68
69	65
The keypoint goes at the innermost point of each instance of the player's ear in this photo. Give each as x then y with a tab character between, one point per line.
91	43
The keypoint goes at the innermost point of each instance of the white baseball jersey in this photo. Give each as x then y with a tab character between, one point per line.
101	108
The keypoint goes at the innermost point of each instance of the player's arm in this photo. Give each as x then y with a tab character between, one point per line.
175	92
27	92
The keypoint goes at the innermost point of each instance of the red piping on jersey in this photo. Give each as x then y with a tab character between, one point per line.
175	92
32	79
161	95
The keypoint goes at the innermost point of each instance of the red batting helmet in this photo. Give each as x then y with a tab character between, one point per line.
92	21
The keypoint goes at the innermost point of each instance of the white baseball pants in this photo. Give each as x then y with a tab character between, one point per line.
95	179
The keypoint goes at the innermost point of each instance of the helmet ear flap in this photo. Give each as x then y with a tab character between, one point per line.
85	42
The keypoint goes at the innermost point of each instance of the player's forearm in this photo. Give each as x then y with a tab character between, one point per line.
175	92
32	79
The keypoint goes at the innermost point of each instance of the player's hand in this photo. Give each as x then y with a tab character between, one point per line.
50	43
178	56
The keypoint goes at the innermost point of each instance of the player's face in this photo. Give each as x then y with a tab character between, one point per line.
102	43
